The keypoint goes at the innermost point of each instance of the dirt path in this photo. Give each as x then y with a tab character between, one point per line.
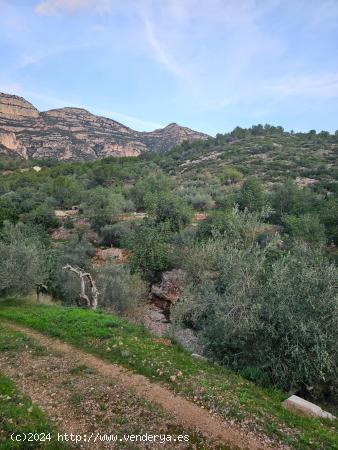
187	414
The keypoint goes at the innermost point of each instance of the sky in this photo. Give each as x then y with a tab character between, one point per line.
207	64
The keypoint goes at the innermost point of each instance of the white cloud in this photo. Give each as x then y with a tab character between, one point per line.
160	53
131	121
52	7
321	85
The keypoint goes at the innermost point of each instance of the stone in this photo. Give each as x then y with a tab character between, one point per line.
197	356
102	256
170	287
301	406
12	106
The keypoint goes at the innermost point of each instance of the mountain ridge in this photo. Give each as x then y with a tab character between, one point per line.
71	133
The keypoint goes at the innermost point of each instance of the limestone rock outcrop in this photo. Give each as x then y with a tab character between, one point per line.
170	287
76	134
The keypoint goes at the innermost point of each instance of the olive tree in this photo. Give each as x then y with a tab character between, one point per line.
23	259
119	290
273	311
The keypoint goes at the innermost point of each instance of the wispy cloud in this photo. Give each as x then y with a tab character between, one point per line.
133	122
318	85
175	59
52	7
161	54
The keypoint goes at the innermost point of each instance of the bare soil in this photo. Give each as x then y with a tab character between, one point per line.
83	393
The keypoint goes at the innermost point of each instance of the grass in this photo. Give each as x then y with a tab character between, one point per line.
18	415
216	389
124	413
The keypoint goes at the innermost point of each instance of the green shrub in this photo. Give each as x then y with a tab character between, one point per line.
230	175
119	290
233	224
152	184
115	235
306	227
276	314
151	251
23	259
252	195
42	215
164	207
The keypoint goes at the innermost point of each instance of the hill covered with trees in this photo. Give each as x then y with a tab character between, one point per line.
250	218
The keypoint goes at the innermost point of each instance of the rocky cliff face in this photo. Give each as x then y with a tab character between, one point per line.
76	134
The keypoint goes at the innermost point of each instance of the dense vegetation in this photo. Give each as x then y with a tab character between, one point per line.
260	292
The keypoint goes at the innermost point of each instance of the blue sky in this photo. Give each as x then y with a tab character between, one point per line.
206	64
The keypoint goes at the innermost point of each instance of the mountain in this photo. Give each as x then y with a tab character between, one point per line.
76	134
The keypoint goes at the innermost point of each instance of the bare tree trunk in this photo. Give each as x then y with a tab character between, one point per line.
90	303
95	292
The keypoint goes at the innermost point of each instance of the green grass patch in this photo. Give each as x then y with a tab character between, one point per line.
19	416
211	386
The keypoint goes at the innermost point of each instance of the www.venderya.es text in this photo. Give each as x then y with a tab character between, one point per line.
99	437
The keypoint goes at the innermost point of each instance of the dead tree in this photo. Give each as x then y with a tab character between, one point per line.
89	302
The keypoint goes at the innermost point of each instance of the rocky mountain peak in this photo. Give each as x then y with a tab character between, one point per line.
15	107
76	134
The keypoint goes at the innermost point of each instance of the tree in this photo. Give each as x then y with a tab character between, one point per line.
252	196
103	205
23	259
151	184
92	300
165	207
276	315
151	251
306	227
120	290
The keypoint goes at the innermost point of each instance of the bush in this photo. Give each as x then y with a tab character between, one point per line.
306	227
230	175
276	314
42	215
151	251
116	235
102	205
252	196
78	251
150	185
200	200
232	224
23	259
288	198
165	207
119	290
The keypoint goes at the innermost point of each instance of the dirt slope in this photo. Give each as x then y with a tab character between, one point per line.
192	418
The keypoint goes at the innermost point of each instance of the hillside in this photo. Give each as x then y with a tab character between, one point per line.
76	134
268	152
215	273
213	406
